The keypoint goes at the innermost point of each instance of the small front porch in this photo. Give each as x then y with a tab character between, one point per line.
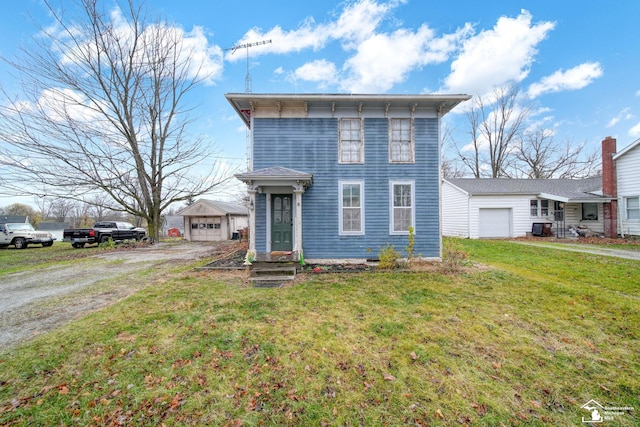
274	269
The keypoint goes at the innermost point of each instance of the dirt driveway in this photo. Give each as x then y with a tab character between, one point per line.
36	301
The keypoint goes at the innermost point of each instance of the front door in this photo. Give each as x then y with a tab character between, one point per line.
281	222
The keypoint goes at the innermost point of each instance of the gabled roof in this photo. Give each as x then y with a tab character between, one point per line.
14	218
45	226
626	149
227	208
565	190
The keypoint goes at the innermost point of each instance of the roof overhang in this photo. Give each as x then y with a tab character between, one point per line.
244	103
276	177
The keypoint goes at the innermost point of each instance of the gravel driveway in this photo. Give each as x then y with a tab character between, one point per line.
36	301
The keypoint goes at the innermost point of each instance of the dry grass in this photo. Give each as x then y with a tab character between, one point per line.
525	342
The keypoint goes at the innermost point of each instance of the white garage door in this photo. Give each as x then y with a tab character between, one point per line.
495	222
205	229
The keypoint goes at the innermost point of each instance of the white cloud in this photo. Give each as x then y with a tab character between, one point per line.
638	93
625	114
497	56
320	71
575	78
381	59
635	131
202	60
384	60
357	22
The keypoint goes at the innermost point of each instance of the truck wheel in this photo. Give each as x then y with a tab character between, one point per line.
78	245
20	243
104	239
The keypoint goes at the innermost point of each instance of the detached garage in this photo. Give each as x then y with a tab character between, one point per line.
212	220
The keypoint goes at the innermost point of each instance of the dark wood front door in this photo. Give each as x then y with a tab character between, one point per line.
281	222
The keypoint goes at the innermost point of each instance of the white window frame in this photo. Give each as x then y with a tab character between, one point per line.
627	208
341	230
393	141
541	211
341	141
392	208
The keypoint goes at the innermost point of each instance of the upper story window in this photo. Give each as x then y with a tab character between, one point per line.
402	206
632	207
351	207
401	141
351	144
539	207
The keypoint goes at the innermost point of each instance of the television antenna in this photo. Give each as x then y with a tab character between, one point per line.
246	46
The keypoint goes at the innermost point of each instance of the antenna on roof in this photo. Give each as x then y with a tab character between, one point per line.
246	46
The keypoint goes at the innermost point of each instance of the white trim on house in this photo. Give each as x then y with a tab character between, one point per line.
341	230
392	207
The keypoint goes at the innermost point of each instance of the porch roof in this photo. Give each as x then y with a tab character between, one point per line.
276	175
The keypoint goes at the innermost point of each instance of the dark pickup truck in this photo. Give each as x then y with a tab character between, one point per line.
102	232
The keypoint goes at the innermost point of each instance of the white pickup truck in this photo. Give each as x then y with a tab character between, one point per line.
21	235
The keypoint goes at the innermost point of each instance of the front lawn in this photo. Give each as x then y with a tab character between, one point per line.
526	338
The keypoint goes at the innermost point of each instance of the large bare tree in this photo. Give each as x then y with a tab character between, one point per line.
495	122
540	156
103	111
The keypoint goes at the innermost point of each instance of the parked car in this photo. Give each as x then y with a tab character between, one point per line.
21	235
102	232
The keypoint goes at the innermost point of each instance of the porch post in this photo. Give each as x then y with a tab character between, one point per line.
252	220
298	223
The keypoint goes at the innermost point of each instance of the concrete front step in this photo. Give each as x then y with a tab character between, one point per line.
270	281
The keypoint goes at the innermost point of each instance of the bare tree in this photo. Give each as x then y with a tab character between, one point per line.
61	209
540	156
495	123
103	111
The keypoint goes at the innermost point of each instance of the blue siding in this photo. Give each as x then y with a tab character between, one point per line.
311	145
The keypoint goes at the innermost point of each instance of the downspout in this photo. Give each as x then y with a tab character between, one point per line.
619	219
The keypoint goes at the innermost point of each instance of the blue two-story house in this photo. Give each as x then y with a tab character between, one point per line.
341	176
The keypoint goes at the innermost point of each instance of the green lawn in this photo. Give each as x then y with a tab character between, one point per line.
525	338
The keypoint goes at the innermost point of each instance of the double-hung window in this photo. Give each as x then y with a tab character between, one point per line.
402	206
351	144
632	207
351	207
539	207
401	141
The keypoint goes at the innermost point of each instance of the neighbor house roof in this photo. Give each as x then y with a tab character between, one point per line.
246	102
626	149
563	190
13	218
46	226
228	208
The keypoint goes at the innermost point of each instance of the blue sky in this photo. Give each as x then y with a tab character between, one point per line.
577	62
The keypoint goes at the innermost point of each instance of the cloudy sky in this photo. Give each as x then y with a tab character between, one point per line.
576	62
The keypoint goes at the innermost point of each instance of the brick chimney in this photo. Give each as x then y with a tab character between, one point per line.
609	187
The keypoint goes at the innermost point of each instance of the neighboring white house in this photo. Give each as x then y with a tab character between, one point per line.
627	168
495	208
212	220
608	204
55	228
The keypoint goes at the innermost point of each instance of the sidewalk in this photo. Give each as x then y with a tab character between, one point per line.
618	253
